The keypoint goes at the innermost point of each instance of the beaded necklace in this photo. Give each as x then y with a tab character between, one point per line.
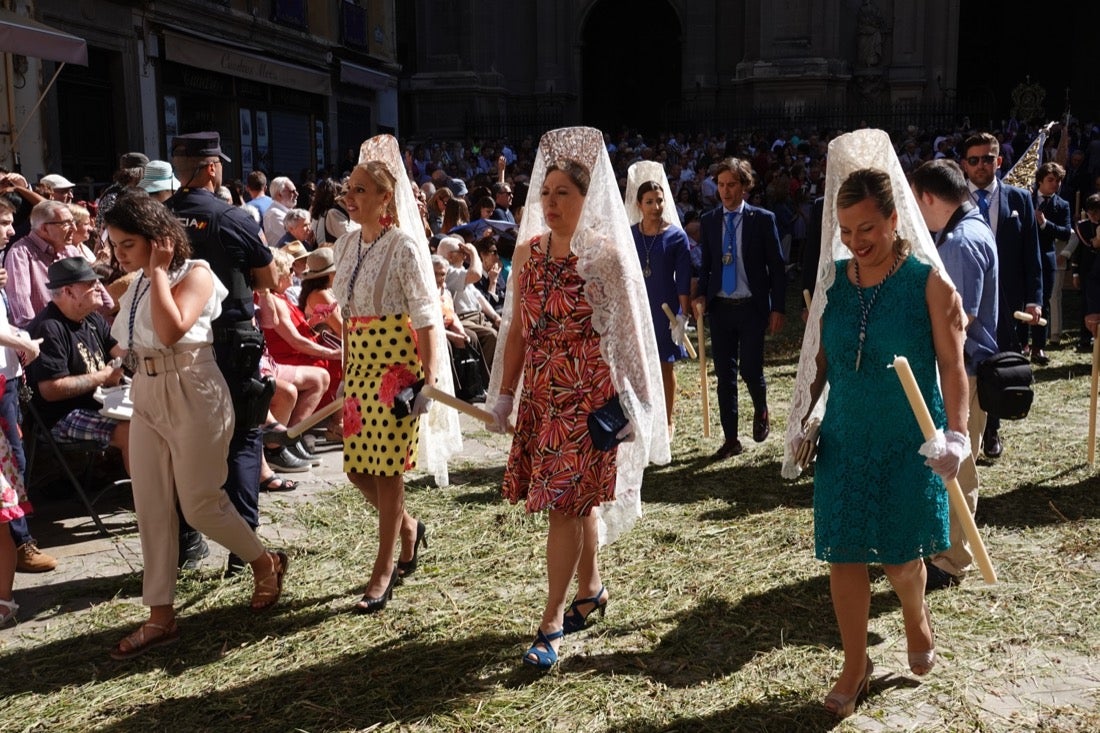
361	256
130	361
548	279
647	270
865	308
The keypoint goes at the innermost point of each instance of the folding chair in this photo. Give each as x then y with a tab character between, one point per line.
35	432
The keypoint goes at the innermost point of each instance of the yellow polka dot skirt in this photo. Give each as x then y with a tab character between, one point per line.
382	360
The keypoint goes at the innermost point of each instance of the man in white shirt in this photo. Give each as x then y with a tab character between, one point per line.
471	307
284	196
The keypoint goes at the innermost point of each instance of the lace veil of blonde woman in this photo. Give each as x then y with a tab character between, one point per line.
615	289
849	153
440	436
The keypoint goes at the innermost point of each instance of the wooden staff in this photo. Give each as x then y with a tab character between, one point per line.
703	369
954	491
465	407
1027	318
1093	394
291	434
806	297
686	340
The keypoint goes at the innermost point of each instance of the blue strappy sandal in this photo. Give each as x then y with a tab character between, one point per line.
574	620
543	659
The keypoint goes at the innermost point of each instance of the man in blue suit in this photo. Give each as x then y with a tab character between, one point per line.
742	286
1011	215
1053	219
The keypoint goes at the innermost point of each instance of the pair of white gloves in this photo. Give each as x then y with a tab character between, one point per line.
944	452
502	414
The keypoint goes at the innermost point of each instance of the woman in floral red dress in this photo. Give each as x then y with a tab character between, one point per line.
575	335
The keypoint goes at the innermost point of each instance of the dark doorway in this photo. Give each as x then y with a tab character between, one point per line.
631	65
1053	45
88	105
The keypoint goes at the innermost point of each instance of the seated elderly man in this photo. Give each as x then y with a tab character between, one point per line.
299	227
475	312
77	355
50	240
284	197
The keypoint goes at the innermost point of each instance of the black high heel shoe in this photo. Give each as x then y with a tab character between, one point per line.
405	568
374	605
574	620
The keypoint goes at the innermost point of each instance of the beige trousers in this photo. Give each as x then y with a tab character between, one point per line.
957	559
179	439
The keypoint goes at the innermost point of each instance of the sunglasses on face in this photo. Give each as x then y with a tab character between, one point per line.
988	159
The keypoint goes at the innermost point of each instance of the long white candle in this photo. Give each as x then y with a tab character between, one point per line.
954	491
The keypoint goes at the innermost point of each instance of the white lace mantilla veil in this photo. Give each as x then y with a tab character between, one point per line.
614	287
440	435
849	153
636	175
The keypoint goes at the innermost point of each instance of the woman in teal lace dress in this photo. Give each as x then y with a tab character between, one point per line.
875	498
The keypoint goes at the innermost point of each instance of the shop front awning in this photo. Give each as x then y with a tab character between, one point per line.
22	35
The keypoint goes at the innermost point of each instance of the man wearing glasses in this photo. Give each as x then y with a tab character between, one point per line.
284	197
502	194
27	262
1011	215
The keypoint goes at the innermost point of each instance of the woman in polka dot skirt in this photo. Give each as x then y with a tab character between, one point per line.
385	286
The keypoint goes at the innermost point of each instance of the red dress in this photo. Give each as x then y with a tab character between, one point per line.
283	353
553	463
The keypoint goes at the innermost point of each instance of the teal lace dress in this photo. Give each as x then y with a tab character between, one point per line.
874	499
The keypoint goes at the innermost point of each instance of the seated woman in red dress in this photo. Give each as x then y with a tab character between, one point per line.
292	342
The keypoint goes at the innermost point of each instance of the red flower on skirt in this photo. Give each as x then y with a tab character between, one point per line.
353	417
396	378
359	323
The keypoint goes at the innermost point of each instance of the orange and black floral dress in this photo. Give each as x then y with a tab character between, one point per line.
553	464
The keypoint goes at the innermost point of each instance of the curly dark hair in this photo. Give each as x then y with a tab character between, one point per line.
135	212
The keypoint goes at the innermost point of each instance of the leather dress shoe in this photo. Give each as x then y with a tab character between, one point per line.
761	426
937	578
192	549
992	446
729	449
285	461
1039	357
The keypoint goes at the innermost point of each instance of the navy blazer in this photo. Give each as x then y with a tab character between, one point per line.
1058	228
1021	274
763	258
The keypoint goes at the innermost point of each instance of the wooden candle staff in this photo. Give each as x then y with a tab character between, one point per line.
1091	321
954	491
687	339
451	401
1027	318
703	369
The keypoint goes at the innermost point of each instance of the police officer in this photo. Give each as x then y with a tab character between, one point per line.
229	239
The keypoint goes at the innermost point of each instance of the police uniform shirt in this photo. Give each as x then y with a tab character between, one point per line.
237	236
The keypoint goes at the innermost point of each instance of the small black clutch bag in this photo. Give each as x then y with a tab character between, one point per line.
605	423
403	400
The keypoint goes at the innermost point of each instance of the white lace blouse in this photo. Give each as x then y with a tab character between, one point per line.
384	278
144	336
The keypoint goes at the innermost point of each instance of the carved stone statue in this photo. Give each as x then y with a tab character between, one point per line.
870	26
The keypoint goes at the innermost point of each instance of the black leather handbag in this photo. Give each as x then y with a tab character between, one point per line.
605	423
1004	385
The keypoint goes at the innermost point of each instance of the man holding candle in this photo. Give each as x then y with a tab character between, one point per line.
969	253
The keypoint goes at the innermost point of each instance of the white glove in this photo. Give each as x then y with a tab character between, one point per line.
945	453
502	413
679	328
421	404
627	433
